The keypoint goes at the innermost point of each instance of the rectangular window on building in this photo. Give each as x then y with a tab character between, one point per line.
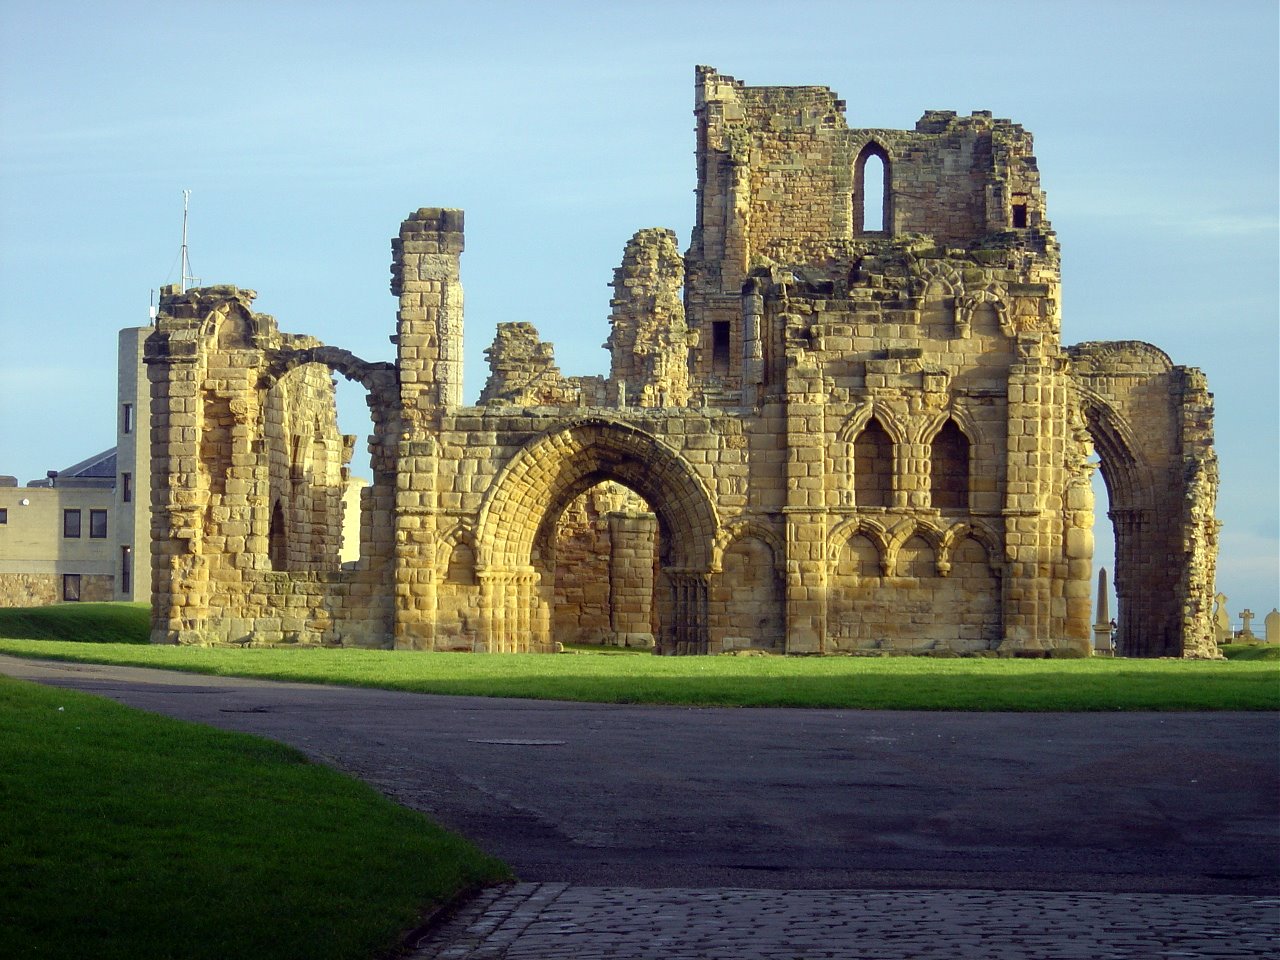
71	586
4	514
126	487
97	524
126	570
71	524
126	418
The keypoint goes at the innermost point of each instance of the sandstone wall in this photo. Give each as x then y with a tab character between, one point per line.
842	439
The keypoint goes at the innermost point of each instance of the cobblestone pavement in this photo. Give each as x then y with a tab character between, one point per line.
550	921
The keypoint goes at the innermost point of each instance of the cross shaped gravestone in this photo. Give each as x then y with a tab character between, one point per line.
1247	616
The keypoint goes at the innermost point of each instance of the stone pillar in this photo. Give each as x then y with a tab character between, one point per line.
1199	525
179	572
806	511
425	277
1035	488
752	348
631	539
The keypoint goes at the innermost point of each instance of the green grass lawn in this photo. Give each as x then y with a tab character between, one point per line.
1251	651
128	835
904	683
87	622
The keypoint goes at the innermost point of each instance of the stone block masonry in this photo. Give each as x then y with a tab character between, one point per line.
842	421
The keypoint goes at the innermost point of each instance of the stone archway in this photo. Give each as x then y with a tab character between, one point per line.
1146	620
542	479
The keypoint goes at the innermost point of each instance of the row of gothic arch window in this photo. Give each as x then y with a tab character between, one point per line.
873	464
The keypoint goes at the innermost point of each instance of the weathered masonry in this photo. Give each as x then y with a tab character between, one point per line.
843	420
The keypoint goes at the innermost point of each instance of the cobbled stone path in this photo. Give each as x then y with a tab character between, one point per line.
549	921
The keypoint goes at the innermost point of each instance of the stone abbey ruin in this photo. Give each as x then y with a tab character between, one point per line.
842	421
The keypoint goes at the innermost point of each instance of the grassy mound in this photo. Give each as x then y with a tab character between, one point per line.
125	835
1251	651
81	622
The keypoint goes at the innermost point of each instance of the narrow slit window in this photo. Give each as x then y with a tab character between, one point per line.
873	194
720	347
126	570
126	487
126	418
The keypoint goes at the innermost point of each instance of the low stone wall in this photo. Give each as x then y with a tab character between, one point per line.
42	589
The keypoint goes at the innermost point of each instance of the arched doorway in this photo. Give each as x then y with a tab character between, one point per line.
533	491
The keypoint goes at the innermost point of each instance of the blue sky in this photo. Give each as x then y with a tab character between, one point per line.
307	130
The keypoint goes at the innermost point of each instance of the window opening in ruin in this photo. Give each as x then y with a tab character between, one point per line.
71	524
600	569
871	195
126	570
1019	215
873	467
949	475
316	522
71	586
355	425
720	347
277	545
97	524
1104	545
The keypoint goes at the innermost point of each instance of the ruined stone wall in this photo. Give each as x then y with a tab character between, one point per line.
843	440
585	558
249	473
1152	424
648	340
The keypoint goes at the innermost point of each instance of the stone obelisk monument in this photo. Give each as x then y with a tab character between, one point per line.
1102	643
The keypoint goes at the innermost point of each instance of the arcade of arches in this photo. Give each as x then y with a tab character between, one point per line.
818	433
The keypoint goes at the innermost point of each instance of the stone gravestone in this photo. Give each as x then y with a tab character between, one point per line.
1221	620
1272	626
1246	632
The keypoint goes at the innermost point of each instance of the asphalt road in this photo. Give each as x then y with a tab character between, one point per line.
640	796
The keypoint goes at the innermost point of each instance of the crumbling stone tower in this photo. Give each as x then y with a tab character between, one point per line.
843	420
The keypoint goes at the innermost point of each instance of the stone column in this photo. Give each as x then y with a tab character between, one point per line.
179	573
1035	488
425	278
806	512
631	539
